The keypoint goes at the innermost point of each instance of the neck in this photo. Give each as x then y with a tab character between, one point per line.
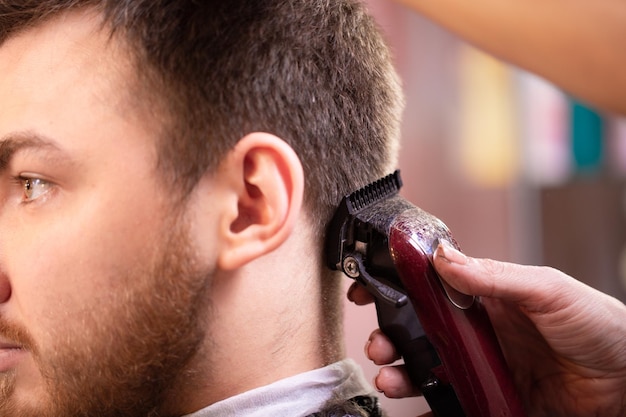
266	326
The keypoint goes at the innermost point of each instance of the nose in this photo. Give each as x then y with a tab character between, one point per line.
5	233
5	287
5	283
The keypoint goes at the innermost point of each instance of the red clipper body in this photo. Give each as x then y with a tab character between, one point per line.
445	337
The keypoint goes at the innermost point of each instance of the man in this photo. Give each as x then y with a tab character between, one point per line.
168	168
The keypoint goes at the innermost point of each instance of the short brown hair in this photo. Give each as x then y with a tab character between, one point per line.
313	72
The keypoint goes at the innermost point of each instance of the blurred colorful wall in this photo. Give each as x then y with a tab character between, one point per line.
518	170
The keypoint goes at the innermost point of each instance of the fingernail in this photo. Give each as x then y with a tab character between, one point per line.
350	292
366	348
375	384
449	253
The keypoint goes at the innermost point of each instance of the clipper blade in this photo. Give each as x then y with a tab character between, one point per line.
351	206
373	192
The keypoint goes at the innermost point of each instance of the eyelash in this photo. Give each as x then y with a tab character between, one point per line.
22	181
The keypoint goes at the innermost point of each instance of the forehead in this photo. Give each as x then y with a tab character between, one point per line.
67	46
68	70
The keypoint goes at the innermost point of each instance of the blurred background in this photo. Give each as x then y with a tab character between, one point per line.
518	170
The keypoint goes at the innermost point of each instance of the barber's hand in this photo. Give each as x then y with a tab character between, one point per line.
564	341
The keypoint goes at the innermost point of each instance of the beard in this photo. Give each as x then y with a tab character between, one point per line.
129	356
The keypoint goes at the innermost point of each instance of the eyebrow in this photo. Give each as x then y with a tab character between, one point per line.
13	143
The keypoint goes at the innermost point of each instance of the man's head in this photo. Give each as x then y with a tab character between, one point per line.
314	73
134	173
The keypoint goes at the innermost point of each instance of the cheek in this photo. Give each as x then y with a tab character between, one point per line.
66	267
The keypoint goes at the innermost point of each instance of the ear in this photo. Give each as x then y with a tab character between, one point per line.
265	177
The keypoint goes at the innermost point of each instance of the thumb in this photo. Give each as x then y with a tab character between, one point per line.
581	324
531	286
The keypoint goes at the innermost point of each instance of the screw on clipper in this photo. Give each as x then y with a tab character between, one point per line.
354	268
351	267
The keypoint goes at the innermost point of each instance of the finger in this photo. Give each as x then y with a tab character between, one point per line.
380	350
529	285
359	295
394	382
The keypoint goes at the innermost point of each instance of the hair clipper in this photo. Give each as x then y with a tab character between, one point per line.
445	337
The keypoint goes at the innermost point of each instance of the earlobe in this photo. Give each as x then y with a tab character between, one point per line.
267	177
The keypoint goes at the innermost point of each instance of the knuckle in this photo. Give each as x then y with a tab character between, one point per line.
493	268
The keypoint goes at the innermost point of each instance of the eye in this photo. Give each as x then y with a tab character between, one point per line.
34	188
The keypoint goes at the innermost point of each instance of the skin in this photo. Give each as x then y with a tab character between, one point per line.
82	244
563	340
111	304
574	44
